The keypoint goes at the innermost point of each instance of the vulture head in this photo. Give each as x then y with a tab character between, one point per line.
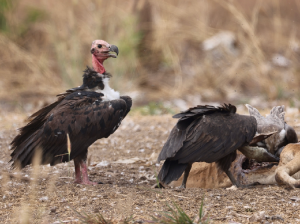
101	50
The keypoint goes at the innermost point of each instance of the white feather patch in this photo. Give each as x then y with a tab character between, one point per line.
109	93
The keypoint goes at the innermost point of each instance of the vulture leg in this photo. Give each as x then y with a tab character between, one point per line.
81	175
85	177
237	183
77	171
225	163
232	179
185	176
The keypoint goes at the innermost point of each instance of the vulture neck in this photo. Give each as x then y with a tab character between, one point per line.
98	65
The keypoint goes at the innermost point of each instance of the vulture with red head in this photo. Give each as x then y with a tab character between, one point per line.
86	113
209	134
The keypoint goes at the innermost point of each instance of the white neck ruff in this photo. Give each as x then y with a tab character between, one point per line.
109	93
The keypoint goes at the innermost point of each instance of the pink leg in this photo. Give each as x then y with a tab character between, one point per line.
85	177
81	175
78	179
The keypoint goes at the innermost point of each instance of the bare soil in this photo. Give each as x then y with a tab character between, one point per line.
126	191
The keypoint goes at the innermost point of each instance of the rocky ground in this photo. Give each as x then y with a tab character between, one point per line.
125	163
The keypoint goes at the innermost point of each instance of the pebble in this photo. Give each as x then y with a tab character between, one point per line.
275	217
295	198
53	210
258	217
136	128
45	198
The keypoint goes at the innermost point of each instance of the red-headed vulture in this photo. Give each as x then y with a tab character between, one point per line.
86	113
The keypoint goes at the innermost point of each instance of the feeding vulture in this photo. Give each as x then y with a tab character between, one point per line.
207	134
86	113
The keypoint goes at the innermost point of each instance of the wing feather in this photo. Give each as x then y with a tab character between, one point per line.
187	126
85	117
218	136
209	138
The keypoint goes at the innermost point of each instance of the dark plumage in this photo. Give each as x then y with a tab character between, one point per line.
85	113
205	134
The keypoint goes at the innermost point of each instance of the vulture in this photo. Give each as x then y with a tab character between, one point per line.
86	113
205	134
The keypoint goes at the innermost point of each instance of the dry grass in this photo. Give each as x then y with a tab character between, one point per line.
52	52
181	29
45	47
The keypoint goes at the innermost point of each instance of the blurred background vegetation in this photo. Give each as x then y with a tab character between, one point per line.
182	53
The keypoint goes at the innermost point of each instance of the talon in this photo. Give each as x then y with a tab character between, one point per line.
159	185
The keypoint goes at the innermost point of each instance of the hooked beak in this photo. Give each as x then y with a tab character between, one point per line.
114	48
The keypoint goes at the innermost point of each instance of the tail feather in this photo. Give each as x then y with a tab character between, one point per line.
24	144
23	153
27	157
171	171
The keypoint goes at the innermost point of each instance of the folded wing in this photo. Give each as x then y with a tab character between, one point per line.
83	115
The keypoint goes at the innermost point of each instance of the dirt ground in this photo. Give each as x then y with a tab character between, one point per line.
125	163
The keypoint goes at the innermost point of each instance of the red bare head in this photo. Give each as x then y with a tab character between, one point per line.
100	51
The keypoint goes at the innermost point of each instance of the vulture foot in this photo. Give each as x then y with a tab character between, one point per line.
159	185
237	183
181	187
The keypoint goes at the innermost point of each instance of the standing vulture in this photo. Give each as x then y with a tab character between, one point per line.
205	134
86	113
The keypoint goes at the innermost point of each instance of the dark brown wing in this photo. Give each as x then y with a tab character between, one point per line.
83	116
215	136
36	121
186	118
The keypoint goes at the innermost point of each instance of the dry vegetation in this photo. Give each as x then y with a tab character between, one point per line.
45	47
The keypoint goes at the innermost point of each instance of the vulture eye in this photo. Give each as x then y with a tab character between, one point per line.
99	45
